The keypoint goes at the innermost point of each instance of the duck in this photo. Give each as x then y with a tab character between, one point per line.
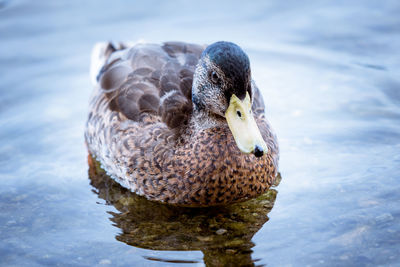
180	123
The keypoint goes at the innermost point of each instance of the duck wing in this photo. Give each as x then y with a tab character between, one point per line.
150	79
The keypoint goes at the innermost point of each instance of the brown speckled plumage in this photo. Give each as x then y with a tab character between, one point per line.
144	129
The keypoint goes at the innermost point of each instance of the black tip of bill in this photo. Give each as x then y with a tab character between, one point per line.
258	151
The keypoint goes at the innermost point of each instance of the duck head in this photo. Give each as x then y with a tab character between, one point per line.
222	93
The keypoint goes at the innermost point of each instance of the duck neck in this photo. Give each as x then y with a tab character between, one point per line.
203	119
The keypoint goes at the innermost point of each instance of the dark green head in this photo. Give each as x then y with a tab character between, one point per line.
234	64
223	70
222	96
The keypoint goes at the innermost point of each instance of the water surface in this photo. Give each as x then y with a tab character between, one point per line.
330	78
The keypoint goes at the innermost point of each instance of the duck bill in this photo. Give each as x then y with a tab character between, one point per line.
243	126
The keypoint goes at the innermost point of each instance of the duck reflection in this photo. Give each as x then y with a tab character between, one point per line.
223	233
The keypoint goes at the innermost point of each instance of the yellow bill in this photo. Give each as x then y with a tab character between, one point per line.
243	126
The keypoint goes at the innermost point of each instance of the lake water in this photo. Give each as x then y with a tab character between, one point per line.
330	76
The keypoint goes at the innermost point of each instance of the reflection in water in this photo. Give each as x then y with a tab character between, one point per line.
223	233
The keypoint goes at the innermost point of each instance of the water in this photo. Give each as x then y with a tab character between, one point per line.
329	73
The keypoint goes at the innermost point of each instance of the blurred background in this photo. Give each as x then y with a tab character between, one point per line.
330	76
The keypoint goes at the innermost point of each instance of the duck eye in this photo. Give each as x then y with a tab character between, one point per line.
215	78
239	114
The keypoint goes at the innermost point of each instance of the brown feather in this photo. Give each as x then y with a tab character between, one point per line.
144	138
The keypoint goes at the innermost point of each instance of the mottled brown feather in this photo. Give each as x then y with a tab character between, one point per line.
146	142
